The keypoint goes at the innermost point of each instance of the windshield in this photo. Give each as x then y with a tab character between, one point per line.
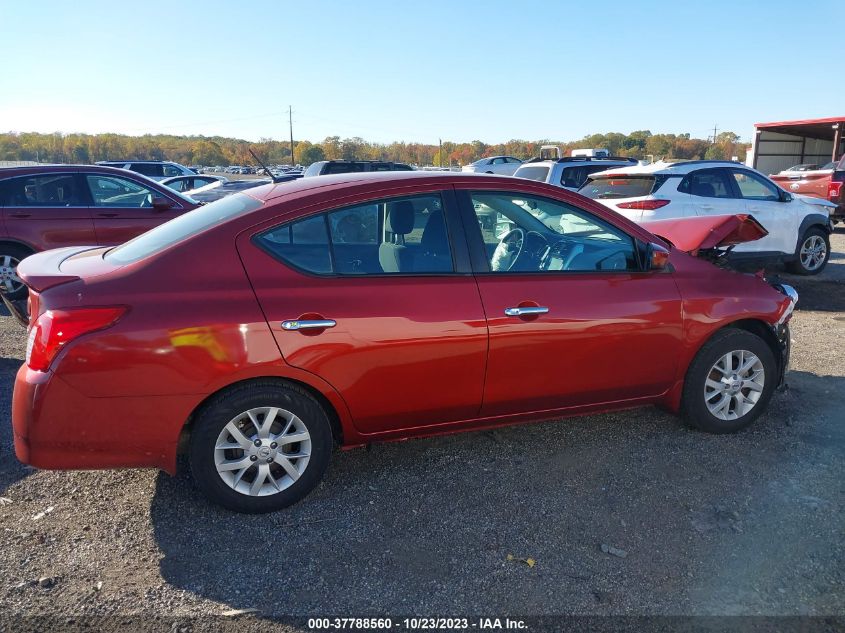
176	230
536	172
621	186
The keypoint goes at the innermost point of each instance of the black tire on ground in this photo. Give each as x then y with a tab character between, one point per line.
797	266
694	407
15	253
226	407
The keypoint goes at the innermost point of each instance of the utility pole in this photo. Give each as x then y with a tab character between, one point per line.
715	129
440	152
290	122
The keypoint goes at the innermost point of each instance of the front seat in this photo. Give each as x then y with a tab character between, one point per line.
704	189
434	245
393	255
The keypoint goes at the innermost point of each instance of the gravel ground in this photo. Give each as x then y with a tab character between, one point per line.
628	513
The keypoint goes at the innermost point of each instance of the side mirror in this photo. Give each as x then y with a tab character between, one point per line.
161	203
785	196
657	257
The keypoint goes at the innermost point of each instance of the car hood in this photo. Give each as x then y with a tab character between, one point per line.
816	202
707	232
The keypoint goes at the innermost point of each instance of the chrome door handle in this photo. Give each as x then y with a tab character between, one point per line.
523	311
315	324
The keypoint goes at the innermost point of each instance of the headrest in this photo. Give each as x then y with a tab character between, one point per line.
400	217
703	189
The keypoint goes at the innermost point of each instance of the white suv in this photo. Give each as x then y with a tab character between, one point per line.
569	173
798	226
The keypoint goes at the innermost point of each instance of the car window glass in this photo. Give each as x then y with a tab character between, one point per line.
172	170
182	227
573	176
534	172
531	234
709	183
153	170
113	191
753	187
618	186
53	190
395	236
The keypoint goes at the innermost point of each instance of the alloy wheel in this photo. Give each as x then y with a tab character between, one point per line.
734	385
262	451
813	252
9	280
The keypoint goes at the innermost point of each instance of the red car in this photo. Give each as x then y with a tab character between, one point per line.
260	330
48	206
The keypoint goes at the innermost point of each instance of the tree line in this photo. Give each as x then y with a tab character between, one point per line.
218	150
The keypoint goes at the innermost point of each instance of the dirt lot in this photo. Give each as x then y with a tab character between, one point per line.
698	524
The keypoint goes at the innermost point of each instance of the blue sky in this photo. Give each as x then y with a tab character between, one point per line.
417	71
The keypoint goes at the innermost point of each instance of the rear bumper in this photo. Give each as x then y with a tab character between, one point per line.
57	427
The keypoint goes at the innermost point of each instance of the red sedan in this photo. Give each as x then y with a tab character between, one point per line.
48	206
260	330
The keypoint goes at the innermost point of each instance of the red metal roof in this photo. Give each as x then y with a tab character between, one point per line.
833	119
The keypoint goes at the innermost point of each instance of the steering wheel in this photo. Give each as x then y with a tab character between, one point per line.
508	250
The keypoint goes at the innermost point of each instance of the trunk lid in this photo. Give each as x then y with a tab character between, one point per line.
706	233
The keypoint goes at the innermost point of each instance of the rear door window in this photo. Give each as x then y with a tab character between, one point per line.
51	190
707	183
391	236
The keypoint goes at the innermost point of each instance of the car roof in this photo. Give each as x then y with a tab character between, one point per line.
123	162
8	172
378	179
575	160
663	168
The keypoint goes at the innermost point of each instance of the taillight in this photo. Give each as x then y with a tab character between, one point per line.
643	205
834	190
56	328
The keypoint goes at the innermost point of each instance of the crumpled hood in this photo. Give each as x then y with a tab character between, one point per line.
706	232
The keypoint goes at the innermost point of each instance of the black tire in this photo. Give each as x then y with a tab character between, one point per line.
16	253
232	403
797	266
694	407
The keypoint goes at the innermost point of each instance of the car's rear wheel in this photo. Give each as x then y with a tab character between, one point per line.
812	253
10	284
260	447
729	383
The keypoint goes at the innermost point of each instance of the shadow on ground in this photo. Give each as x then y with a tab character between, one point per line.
428	526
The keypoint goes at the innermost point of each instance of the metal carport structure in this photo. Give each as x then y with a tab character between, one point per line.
782	144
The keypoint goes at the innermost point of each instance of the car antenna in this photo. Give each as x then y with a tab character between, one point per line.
266	171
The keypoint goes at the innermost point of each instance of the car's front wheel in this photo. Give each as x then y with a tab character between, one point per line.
730	382
260	447
812	253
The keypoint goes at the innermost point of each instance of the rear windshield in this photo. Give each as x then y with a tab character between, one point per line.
536	172
179	228
603	187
